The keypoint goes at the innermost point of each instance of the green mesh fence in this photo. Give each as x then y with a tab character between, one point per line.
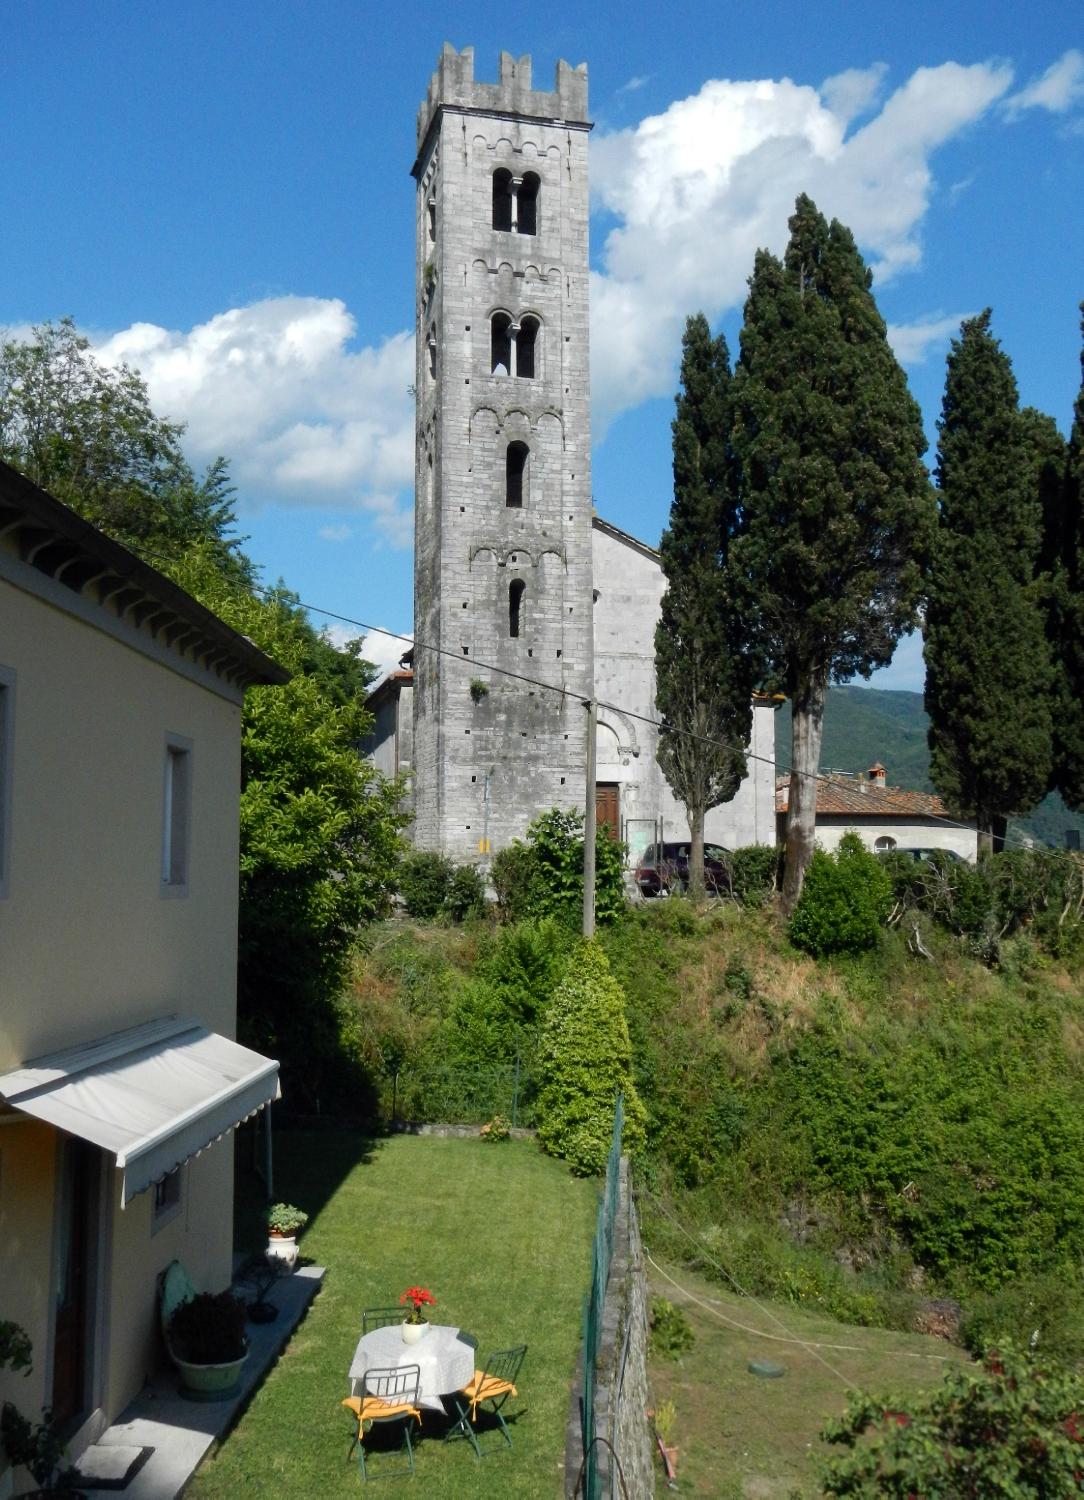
592	1306
454	1095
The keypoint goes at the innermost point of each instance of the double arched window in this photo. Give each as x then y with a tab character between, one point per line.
515	202
513	347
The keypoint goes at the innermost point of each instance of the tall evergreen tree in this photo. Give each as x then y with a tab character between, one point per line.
988	677
837	510
703	683
1064	555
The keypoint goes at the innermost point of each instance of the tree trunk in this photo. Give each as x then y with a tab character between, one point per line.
999	828
807	729
696	853
984	825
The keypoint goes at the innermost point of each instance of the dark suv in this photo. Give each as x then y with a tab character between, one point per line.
665	867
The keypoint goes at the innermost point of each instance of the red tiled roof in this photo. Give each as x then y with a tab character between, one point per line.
843	796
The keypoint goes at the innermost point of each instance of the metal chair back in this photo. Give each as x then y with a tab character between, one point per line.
504	1364
397	1385
381	1317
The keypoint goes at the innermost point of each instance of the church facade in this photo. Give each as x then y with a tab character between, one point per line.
526	603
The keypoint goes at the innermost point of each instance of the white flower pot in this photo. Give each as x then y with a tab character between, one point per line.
414	1332
282	1248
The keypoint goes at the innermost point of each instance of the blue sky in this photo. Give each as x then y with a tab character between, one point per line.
219	195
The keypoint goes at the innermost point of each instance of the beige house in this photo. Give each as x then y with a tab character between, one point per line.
884	817
120	715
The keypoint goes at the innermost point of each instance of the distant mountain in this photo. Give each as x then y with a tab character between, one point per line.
864	725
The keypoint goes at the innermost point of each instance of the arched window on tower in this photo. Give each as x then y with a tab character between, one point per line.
431	218
502	199
500	344
516	462
526	339
527	204
516	591
431	344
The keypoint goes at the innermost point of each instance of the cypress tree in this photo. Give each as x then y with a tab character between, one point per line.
837	511
702	680
1064	549
988	676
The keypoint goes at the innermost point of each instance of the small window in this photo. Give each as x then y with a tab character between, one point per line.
432	347
176	816
167	1199
7	739
516	590
500	344
884	844
527	205
431	219
526	339
502	199
515	474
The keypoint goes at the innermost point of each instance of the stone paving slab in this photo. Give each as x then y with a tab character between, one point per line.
181	1432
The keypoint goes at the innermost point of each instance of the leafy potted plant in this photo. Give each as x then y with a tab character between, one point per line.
206	1339
35	1446
283	1222
415	1325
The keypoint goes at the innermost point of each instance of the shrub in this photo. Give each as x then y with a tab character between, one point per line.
513	874
544	877
753	872
671	1331
844	901
497	1129
423	883
466	893
1045	1312
585	1058
1013	1428
209	1329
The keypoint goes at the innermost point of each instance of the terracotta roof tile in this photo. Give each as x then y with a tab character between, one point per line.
840	796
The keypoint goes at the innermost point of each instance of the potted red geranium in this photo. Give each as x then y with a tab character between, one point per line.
415	1324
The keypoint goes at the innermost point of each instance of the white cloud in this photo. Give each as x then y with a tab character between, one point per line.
276	386
384	651
635	83
335	533
1058	89
697	190
912	342
851	93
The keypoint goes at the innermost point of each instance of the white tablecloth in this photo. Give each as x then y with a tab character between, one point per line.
443	1356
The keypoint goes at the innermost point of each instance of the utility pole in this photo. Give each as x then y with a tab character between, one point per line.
589	826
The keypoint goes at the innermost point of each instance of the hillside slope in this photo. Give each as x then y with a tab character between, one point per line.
863	725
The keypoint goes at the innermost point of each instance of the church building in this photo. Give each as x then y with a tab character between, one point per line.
526	603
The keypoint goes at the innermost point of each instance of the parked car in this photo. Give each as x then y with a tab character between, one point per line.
665	867
917	854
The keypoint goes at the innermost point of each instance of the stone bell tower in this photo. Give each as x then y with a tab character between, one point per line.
502	571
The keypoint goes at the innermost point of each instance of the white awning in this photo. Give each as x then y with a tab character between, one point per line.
154	1095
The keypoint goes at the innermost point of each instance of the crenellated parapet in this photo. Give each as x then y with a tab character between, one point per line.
453	86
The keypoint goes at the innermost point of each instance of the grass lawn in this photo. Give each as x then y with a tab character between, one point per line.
742	1437
499	1233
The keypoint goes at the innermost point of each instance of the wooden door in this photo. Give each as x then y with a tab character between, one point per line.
608	808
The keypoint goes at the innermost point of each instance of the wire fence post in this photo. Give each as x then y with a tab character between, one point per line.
515	1093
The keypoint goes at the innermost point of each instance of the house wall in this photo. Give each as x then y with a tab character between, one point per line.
91	945
629	585
909	833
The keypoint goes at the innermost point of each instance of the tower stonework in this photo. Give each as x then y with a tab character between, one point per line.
503	539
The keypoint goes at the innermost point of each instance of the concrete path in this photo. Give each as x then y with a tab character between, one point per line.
181	1432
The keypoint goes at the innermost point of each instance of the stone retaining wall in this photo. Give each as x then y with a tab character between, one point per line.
621	1376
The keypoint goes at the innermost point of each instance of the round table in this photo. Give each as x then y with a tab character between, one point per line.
444	1356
